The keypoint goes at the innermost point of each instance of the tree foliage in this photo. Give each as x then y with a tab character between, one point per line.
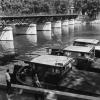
33	6
89	7
60	7
19	7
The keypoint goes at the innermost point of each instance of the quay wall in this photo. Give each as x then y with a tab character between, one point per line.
60	94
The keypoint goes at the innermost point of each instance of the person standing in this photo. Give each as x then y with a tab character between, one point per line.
37	82
8	81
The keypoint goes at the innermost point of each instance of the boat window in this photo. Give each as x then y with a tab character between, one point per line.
48	50
53	70
66	67
98	43
79	54
76	54
54	51
67	54
79	44
70	65
87	56
57	71
76	44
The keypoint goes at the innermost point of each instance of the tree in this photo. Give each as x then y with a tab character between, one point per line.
45	8
61	6
91	7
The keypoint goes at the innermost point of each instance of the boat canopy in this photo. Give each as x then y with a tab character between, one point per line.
51	60
57	47
97	48
90	41
83	49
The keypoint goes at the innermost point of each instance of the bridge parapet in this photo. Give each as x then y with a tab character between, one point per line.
36	18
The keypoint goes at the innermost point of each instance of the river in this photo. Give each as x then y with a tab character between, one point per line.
27	43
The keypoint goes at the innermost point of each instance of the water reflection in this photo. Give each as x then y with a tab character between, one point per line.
65	30
77	27
56	34
88	31
43	36
71	28
67	35
25	43
7	47
24	29
32	39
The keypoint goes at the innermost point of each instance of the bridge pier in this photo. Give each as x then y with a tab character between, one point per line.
44	31
32	39
6	34
71	22
43	36
46	26
25	29
7	46
65	22
65	30
56	24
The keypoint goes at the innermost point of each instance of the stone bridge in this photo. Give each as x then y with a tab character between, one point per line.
29	25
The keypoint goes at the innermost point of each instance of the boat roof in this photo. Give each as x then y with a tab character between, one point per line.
55	47
84	49
97	47
52	60
90	41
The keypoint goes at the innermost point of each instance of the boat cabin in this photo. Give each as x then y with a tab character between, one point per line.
88	42
97	51
55	50
49	69
83	55
85	42
52	64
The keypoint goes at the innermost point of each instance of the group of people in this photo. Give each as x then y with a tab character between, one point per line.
48	96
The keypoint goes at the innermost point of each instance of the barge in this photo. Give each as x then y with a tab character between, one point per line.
86	42
84	56
89	42
50	70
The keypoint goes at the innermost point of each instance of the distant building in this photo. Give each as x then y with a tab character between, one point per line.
71	9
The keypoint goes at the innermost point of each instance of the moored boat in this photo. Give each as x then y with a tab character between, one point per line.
85	42
50	69
84	56
55	50
89	42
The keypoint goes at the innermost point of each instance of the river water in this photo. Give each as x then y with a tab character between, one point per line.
24	44
27	43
